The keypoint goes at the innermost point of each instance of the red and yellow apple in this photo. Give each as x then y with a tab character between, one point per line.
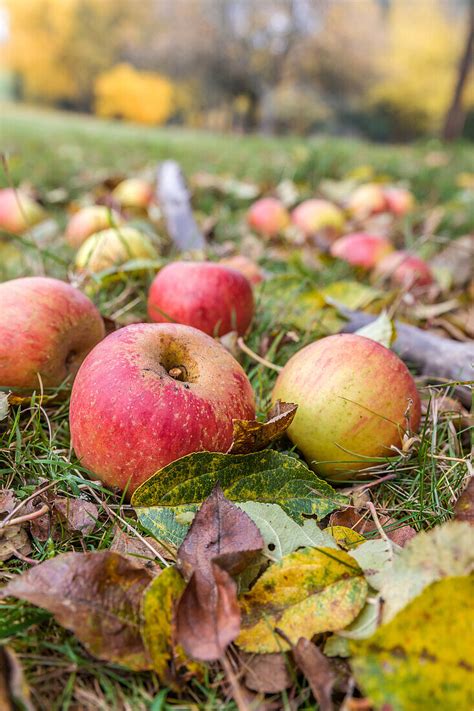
361	249
355	400
316	216
245	266
134	193
268	216
213	298
88	220
399	201
18	211
366	200
404	269
114	247
150	394
47	327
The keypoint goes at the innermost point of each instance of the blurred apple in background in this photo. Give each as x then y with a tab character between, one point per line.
133	193
361	249
315	216
400	201
88	220
47	327
404	269
353	396
366	200
18	211
150	394
268	216
245	266
114	247
210	297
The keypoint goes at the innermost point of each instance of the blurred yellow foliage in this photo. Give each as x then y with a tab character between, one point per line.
125	92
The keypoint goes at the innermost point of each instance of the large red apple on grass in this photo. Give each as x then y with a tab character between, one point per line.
18	211
150	394
355	400
47	327
211	297
88	220
404	269
361	249
268	216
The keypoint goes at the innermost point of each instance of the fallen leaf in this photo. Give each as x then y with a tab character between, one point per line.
361	521
345	538
456	259
317	671
445	551
14	691
78	516
375	557
309	591
423	656
365	623
252	435
8	501
381	330
464	509
138	551
14	540
267	673
95	595
351	294
4	405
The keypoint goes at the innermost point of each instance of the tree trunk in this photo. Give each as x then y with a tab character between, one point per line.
456	115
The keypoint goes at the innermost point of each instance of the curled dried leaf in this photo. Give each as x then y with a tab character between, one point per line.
252	435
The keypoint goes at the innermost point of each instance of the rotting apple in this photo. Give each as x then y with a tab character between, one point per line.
361	249
367	199
114	247
18	211
150	394
315	216
211	297
404	269
47	327
268	216
245	266
355	398
134	193
88	220
400	201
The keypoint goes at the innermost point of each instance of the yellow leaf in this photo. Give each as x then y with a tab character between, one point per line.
309	591
345	537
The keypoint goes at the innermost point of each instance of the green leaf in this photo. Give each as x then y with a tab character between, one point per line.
423	657
381	330
351	294
165	501
376	558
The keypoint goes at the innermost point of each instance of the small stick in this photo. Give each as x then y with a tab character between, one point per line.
239	697
370	484
26	517
263	361
25	501
378	525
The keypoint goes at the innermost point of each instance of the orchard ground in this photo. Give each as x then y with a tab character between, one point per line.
62	156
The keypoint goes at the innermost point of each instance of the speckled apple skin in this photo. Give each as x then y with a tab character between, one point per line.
352	394
46	327
129	417
211	297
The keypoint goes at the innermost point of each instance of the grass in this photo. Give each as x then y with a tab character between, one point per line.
55	151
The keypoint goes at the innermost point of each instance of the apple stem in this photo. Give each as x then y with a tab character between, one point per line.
179	372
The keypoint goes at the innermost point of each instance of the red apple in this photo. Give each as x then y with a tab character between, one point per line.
245	266
399	201
150	394
268	216
405	270
313	216
18	211
88	220
361	249
353	396
368	199
211	297
47	327
133	193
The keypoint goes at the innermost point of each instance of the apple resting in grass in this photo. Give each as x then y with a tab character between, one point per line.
150	394
313	216
88	220
47	327
368	199
213	298
18	211
355	400
404	269
400	201
133	193
361	249
268	216
245	266
114	247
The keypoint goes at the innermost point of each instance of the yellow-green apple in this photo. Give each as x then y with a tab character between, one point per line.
318	216
399	201
114	247
88	220
245	266
355	400
361	249
213	298
150	394
18	211
368	199
404	269
268	216
133	193
47	328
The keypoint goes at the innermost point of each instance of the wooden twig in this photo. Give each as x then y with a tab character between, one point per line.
263	361
26	517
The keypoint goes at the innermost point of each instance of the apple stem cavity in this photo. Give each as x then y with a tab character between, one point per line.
178	372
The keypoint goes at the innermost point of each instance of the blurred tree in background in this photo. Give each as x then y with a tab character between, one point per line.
385	68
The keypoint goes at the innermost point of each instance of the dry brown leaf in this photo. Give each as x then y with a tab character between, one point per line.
14	692
138	551
78	516
267	673
362	522
464	509
457	258
13	539
317	670
252	435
